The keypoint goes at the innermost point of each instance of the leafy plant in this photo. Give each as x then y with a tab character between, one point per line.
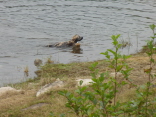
100	98
143	103
117	63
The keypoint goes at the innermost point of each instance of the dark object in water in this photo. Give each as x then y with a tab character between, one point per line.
69	43
76	48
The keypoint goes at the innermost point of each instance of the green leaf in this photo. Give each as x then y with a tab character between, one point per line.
68	94
115	43
152	26
94	79
117	36
62	93
152	60
106	54
78	91
119	67
119	45
113	37
81	81
92	67
153	37
83	88
123	83
113	52
101	78
62	115
126	56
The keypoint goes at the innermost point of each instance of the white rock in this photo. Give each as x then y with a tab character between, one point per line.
3	90
57	84
85	82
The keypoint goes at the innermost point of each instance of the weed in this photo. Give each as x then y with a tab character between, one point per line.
143	103
100	98
125	43
49	60
26	71
101	101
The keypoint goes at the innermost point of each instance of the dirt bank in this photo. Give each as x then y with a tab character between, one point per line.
13	104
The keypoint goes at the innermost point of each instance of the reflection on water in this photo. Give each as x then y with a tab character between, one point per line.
27	26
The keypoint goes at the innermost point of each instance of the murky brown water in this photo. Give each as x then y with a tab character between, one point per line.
26	26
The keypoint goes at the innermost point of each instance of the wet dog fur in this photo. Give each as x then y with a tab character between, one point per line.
76	48
69	43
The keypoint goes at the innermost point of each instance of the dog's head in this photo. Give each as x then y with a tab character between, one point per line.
76	38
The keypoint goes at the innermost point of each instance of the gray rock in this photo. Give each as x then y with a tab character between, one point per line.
35	106
57	84
4	90
85	82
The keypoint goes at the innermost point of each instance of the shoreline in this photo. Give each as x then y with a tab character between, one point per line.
11	101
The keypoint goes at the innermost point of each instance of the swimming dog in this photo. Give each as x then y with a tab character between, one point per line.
69	43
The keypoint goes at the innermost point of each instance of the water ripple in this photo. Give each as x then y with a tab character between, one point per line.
27	26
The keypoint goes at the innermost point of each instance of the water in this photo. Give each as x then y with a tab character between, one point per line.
28	25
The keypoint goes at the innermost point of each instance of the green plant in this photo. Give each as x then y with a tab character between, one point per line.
118	63
125	43
49	60
100	98
94	102
150	45
143	102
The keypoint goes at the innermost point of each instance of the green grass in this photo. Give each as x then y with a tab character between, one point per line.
68	70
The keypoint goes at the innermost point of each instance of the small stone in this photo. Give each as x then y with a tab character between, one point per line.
4	90
57	84
85	82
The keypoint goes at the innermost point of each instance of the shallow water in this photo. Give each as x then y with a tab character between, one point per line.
27	26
